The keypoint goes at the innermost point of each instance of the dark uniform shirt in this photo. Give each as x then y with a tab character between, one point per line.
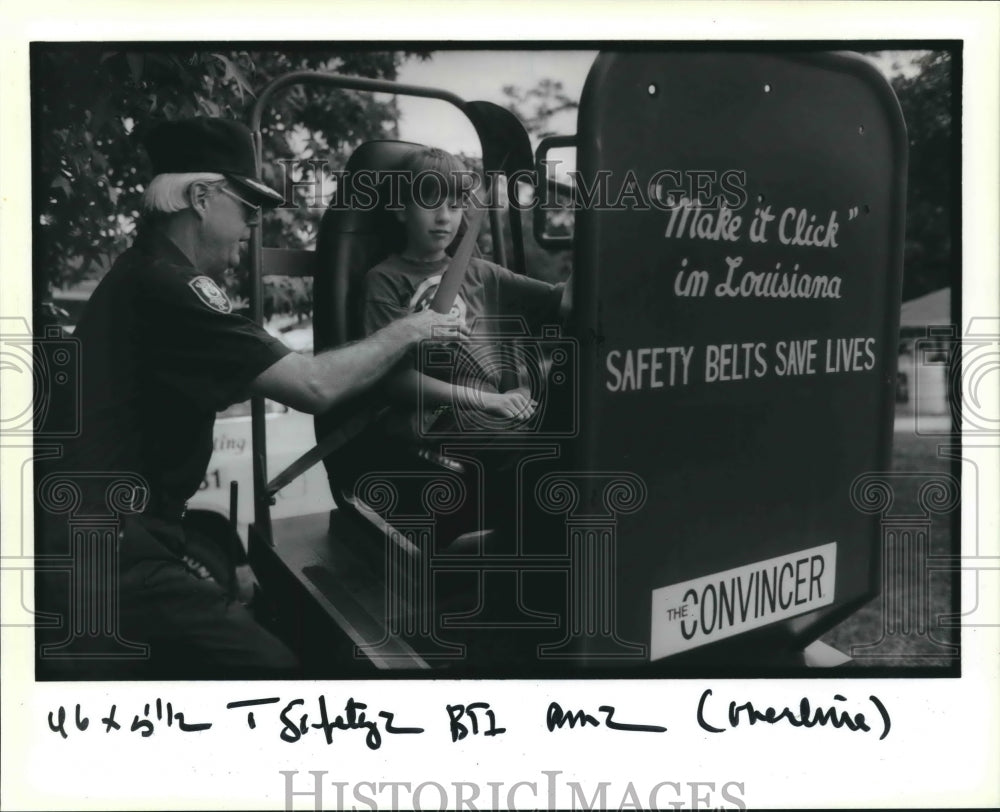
161	353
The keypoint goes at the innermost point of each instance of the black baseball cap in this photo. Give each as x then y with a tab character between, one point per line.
209	145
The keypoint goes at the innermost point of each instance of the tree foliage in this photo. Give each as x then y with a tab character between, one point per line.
537	108
538	105
92	103
926	101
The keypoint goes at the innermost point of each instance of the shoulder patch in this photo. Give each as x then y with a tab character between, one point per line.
211	294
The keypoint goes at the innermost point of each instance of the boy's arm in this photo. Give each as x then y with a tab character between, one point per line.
539	302
406	385
412	387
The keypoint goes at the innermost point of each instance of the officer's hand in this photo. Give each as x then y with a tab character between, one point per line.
246	584
430	324
514	405
566	301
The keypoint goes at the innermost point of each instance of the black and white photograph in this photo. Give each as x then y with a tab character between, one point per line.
436	402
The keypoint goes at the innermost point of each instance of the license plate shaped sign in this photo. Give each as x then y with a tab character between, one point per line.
700	611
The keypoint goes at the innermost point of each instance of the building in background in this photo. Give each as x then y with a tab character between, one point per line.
922	380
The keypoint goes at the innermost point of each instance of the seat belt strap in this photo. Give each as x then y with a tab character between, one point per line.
454	274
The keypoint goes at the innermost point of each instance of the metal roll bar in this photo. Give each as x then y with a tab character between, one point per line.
258	427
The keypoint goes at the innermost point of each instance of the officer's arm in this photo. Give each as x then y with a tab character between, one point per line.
315	384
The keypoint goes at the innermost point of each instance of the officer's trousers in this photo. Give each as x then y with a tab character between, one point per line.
158	618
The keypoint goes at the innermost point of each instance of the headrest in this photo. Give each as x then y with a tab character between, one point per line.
355	234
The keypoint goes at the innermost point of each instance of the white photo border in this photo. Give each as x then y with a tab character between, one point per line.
945	740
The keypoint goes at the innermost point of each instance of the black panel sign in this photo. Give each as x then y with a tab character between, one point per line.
738	265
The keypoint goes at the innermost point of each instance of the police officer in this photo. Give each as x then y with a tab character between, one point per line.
161	352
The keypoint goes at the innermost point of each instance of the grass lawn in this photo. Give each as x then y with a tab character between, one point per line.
882	619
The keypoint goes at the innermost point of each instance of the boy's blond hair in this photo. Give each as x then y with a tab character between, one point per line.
430	174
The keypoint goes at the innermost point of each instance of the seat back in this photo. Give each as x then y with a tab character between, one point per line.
352	239
356	233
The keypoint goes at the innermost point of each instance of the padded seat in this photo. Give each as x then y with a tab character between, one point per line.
353	239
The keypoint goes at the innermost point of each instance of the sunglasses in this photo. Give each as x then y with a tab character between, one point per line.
253	217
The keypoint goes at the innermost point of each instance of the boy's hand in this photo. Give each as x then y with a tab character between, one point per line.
430	324
514	405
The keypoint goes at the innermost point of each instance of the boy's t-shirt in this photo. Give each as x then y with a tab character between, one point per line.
398	286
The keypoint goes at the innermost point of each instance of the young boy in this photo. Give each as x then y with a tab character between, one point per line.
406	282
